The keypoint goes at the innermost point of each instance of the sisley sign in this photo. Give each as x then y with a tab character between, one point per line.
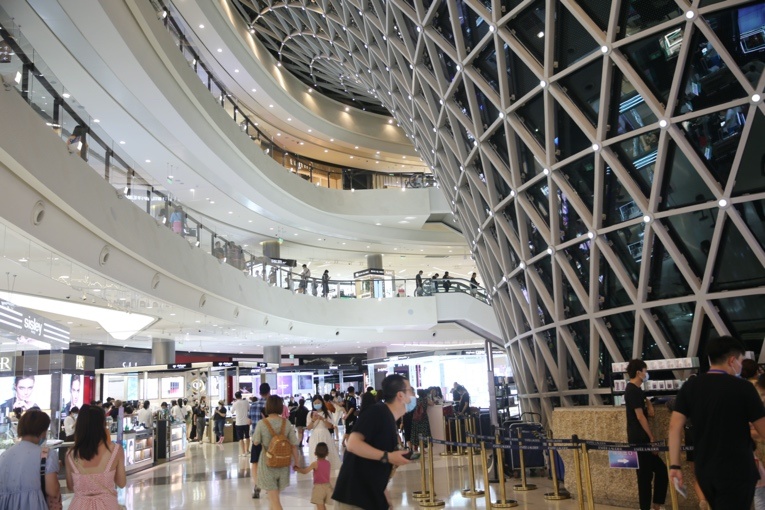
32	329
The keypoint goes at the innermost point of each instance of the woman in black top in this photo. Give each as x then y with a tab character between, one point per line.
464	406
219	421
301	419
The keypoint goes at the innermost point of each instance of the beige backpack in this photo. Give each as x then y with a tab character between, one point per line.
279	451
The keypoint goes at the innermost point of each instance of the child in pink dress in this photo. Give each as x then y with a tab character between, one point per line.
322	489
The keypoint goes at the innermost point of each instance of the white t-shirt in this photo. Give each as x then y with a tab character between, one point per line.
145	417
241	409
177	413
187	411
69	423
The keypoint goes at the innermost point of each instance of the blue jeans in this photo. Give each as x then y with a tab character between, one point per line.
219	424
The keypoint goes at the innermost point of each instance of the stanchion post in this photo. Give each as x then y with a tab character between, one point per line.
523	485
448	437
555	495
472	491
502	502
588	477
672	491
578	473
423	492
431	502
458	433
485	466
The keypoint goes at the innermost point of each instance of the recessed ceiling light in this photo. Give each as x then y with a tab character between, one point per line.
148	161
331	139
289	119
66	95
220	50
254	90
231	212
212	201
122	142
201	26
96	121
270	106
236	70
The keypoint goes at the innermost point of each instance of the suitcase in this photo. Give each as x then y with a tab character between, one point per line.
533	459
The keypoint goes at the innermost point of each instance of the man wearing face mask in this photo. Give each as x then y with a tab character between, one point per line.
639	409
371	451
721	406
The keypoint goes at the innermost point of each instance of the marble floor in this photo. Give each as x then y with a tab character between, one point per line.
215	476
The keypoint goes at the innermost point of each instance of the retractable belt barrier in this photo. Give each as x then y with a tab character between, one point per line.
580	449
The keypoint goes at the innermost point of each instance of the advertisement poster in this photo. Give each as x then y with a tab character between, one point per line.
72	386
25	392
623	460
172	387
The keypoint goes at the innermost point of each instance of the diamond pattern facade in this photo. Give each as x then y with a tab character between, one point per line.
605	158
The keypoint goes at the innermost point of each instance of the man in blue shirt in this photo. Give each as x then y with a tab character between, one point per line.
257	411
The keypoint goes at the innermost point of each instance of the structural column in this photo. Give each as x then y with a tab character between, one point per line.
271	249
272	354
376	377
162	351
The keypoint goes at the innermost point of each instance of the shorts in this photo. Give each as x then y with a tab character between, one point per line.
321	494
255	453
349	427
242	432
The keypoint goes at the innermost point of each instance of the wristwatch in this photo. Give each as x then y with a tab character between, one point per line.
675	466
384	458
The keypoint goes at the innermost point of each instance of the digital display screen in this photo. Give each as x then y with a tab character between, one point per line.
25	392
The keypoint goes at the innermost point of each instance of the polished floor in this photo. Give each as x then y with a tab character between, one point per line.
215	476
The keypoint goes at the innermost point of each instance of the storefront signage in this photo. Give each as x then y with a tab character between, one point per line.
369	272
79	363
225	364
126	359
30	327
262	364
333	367
6	364
283	262
178	366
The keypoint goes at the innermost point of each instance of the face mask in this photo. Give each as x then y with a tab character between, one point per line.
411	404
317	407
737	371
647	376
74	415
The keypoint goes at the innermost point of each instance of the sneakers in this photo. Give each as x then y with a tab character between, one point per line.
256	493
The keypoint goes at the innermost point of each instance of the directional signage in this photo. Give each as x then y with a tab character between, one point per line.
178	366
225	364
262	364
369	272
283	262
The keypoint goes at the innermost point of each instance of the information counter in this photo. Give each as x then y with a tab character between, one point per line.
611	486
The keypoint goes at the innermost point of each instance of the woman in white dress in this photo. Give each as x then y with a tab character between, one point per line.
320	420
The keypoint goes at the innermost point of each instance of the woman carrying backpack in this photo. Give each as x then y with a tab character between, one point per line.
279	441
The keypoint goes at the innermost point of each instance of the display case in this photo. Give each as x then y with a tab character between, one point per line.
139	450
177	441
170	440
668	376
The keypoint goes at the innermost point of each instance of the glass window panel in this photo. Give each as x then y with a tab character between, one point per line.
580	331
682	184
442	23
474	27
753	214
520	78
665	280
743	316
571	224
529	166
692	234
538	196
638	156
627	244
638	15
707	81
583	87
651	349
581	176
537	243
622	328
676	322
715	138
750	177
741	30
572	40
487	110
544	269
611	293
498	141
736	266
619	206
529	28
486	65
448	66
569	138
654	59
598	10
572	306
579	258
629	110
532	114
605	374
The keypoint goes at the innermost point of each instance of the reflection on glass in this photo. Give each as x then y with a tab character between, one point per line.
665	280
498	142
520	79
580	331
537	243
532	114
618	203
692	234
538	196
571	224
486	65
442	24
742	31
623	331
654	59
529	166
707	80
675	321
750	177
611	293
544	269
682	184
569	138
736	266
743	317
638	156
628	108
529	28
637	15
583	87
627	244
753	214
572	307
579	258
715	138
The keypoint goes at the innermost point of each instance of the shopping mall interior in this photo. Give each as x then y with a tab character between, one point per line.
514	196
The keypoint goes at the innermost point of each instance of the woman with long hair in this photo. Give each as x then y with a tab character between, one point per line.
95	464
320	421
21	466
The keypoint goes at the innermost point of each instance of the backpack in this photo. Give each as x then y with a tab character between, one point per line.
279	452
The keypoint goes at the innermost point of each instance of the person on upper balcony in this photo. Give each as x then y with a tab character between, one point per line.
447	281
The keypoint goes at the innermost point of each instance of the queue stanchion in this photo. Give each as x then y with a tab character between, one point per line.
472	491
523	486
448	437
502	502
460	438
555	495
672	491
587	476
431	501
474	428
423	492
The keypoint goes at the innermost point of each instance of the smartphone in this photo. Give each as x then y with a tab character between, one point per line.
680	489
410	455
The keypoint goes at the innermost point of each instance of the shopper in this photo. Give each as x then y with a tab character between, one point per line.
188	416
145	416
420	420
77	143
274	479
759	456
321	423
325	283
321	495
721	406
305	274
434	281
257	412
240	410
418	290
69	422
301	420
463	407
200	414
94	464
447	282
473	284
176	413
372	450
650	466
218	252
219	421
351	412
20	467
177	219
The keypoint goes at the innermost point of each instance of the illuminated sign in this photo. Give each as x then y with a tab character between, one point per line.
225	364
369	272
178	366
79	363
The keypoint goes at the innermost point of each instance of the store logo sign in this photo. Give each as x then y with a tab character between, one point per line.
79	363
5	364
31	324
126	364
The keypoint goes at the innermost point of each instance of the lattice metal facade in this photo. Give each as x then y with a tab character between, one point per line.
605	158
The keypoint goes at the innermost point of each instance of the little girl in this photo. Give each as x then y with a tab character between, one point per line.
322	489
